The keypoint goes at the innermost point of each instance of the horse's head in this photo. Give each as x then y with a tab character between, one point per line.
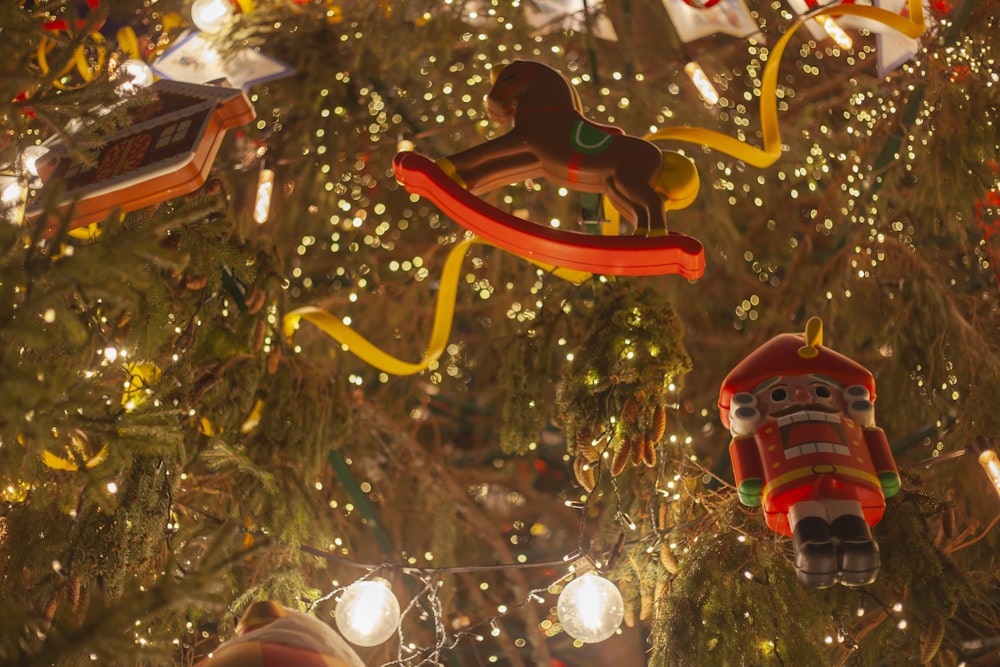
525	83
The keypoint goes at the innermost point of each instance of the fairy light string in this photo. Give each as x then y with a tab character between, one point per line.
430	578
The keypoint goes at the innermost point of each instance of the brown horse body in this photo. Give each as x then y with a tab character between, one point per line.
551	139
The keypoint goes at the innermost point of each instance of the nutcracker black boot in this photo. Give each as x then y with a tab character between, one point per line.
857	553
815	553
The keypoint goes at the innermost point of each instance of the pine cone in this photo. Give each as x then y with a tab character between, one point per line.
630	410
585	473
620	461
667	559
659	423
649	452
638	446
196	282
646	604
930	641
73	589
629	615
257	340
585	445
273	360
256	301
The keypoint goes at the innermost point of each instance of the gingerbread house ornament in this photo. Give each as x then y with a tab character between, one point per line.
167	151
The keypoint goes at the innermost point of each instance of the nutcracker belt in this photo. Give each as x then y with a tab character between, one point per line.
782	480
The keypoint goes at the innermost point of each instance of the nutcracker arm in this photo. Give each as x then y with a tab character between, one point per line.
747	470
882	459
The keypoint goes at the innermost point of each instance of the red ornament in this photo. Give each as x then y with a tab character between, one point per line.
551	139
806	449
701	5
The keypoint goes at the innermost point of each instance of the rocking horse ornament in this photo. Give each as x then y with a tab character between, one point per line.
551	139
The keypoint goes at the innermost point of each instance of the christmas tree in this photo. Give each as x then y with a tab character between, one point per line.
252	365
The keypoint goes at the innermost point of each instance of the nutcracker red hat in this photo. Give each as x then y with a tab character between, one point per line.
259	614
792	354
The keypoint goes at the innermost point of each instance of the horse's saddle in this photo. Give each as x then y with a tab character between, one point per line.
589	138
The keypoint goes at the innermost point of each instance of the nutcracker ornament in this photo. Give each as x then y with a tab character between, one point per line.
806	448
271	635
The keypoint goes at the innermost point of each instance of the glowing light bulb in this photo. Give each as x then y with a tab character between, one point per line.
31	156
140	74
991	464
11	192
404	143
590	608
12	195
836	33
367	613
701	82
210	15
262	205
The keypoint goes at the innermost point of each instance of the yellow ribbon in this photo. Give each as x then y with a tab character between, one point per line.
129	43
80	60
444	314
911	27
139	376
57	462
76	450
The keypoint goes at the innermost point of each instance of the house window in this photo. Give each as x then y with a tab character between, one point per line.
173	133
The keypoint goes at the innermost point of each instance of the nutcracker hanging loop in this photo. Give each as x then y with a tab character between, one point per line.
814	338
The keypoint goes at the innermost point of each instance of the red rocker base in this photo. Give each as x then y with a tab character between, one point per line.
674	253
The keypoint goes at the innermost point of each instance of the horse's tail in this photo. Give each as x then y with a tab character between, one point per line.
678	181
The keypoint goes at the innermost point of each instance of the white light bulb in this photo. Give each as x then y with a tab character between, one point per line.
991	464
702	82
210	15
367	613
11	192
590	608
31	156
140	74
837	33
262	205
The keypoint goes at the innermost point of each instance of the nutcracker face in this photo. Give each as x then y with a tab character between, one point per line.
783	396
809	411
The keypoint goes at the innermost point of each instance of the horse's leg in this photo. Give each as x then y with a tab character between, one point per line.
634	180
492	164
625	206
649	202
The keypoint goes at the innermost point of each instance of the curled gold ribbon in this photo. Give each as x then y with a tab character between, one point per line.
444	314
76	453
80	60
771	135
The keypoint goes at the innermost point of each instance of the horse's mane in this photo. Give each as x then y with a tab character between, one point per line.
553	82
